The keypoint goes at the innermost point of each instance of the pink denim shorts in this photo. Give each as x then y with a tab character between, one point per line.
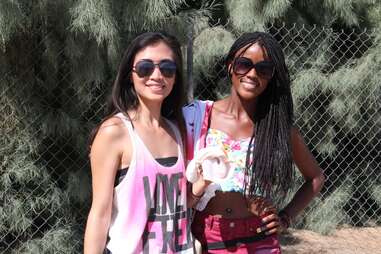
221	235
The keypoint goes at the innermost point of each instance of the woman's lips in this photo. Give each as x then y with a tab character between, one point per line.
155	86
249	84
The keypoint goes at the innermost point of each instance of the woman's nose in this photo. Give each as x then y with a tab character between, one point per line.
252	72
156	73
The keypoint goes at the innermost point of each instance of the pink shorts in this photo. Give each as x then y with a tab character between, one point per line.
221	235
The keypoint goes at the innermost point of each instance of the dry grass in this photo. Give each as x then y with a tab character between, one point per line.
342	241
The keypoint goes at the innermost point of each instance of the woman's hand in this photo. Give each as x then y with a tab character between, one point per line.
272	224
197	188
203	184
263	208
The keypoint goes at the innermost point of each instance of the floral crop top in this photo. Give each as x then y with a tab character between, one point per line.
236	153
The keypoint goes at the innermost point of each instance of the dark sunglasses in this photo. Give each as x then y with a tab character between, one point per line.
145	68
264	69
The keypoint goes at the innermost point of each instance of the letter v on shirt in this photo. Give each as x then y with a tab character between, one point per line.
149	212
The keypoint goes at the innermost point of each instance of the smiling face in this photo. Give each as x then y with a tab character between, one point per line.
254	82
153	86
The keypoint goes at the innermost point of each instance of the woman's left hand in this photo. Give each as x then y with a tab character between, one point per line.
271	223
263	208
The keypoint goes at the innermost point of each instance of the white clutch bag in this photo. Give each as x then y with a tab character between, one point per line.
215	165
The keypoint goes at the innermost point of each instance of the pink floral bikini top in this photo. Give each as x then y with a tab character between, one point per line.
236	153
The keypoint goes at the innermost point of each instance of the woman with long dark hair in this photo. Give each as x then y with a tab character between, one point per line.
254	127
139	200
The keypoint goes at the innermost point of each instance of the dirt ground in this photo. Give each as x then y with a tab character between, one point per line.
342	241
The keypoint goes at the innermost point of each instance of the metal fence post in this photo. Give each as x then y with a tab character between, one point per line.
190	83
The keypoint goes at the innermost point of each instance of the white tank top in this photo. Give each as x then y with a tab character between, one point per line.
149	213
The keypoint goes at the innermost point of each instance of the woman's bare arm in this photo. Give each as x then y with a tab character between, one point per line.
105	157
310	170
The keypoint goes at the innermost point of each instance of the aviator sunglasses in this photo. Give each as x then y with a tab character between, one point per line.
145	68
264	69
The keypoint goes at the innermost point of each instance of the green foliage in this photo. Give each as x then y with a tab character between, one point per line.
95	17
59	239
274	9
327	214
58	60
343	9
249	15
306	83
374	14
11	20
356	88
376	192
246	15
78	188
154	16
210	46
57	64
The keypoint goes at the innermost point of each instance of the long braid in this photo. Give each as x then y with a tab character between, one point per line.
270	173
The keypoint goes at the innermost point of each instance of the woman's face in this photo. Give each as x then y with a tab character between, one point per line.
154	72
251	71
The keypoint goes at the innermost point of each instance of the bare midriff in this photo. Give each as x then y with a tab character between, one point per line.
230	205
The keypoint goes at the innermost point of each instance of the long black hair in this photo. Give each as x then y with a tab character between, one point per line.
270	171
124	98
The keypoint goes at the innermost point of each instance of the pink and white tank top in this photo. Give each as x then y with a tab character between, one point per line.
150	213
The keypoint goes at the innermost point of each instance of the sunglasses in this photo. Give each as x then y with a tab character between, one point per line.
145	68
264	69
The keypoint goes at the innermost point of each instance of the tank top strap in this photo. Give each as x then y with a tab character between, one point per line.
125	120
129	126
179	140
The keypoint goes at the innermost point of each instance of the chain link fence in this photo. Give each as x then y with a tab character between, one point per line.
46	119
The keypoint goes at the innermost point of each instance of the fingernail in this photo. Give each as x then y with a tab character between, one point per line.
261	229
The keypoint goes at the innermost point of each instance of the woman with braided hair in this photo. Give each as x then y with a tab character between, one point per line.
254	128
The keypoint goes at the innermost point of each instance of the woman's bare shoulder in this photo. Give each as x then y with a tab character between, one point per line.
111	131
296	135
219	108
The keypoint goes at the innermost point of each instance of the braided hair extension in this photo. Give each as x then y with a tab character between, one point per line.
270	174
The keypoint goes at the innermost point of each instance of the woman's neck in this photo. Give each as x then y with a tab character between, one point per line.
239	107
148	114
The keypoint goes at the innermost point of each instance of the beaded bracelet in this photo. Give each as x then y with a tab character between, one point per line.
195	197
